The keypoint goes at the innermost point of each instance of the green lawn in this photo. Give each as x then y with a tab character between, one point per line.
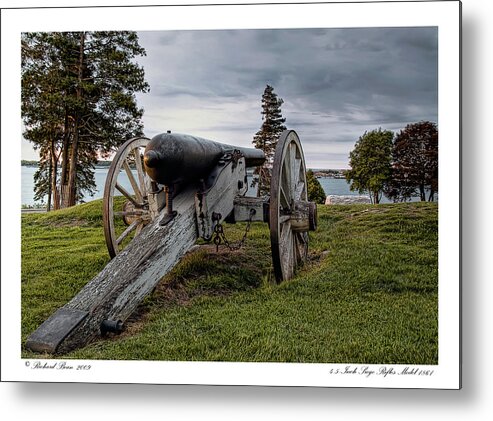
369	293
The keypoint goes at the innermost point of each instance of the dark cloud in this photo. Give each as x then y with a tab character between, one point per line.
336	83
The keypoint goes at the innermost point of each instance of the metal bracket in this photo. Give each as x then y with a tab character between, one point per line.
222	185
170	213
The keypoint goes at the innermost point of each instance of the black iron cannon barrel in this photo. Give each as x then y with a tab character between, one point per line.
171	158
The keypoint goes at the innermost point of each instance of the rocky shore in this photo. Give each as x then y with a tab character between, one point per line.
346	200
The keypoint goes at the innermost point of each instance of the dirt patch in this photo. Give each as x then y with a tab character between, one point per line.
175	290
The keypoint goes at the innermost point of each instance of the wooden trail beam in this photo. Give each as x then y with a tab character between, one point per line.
117	290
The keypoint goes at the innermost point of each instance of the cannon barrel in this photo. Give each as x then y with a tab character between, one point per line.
171	158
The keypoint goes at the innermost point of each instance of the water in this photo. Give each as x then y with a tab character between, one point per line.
340	187
335	186
27	184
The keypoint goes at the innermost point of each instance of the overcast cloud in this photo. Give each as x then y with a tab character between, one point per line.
336	83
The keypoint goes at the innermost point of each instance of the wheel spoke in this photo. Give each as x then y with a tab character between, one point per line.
140	171
300	244
284	218
294	176
286	244
134	184
300	188
286	178
296	250
287	175
286	185
130	213
139	228
299	179
129	229
297	169
302	237
122	190
284	199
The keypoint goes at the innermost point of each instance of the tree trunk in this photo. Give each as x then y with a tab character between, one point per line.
53	176
73	165
376	199
422	193
72	175
50	177
65	162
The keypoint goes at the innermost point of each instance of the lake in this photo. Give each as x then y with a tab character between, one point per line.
330	185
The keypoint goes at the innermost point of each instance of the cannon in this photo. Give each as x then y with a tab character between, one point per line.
163	194
174	158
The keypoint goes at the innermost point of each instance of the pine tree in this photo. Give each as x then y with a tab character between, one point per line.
78	103
267	137
42	109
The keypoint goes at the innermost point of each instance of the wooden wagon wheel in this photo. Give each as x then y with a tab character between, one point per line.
125	200
288	187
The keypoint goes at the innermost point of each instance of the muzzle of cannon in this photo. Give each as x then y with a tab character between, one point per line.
149	226
171	158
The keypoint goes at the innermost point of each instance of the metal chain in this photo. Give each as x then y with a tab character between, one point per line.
220	237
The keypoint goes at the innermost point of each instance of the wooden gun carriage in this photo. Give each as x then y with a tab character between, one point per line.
160	196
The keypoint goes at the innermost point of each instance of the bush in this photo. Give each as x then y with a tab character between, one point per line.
316	192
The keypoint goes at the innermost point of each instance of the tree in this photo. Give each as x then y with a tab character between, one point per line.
267	137
316	192
415	163
42	109
370	163
78	103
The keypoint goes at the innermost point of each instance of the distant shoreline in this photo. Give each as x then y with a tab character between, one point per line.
319	173
100	164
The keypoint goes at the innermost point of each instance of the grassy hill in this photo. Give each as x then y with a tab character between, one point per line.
369	293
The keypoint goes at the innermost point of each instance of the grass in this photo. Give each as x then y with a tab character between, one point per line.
368	294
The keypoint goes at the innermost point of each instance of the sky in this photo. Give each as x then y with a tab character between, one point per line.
335	83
